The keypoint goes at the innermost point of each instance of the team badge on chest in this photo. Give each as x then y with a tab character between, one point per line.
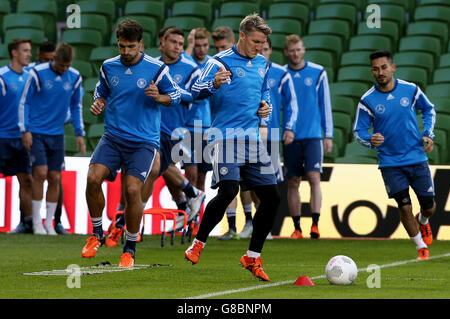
141	83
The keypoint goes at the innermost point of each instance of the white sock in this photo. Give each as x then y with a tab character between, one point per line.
253	254
36	208
198	241
419	241
51	208
143	205
422	219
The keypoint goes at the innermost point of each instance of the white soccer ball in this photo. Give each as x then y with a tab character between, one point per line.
341	270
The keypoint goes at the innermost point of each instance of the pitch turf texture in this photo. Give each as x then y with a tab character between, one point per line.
219	271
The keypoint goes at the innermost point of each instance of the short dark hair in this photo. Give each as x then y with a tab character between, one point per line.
130	30
47	46
163	31
173	30
269	42
381	54
64	52
15	43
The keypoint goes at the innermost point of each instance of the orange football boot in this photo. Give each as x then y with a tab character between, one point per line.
425	230
90	249
193	252
314	232
113	237
126	260
424	254
254	265
297	234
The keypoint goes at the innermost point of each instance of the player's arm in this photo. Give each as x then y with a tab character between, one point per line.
76	108
363	122
101	93
186	94
163	89
265	107
29	90
428	118
290	107
213	76
190	42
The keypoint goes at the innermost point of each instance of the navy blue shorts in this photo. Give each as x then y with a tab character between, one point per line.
247	163
197	143
302	156
417	176
47	150
14	158
136	158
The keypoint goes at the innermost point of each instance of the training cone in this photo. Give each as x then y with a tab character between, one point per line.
303	281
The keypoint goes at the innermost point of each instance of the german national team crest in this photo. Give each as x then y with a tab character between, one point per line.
272	83
308	81
67	86
114	80
224	171
404	101
178	78
141	83
48	84
240	72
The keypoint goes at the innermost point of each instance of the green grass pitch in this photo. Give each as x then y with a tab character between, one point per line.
219	271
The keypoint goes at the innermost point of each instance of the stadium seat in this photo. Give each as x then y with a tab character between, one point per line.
412	74
70	145
89	84
285	26
4	62
438	90
328	43
147	39
433	13
323	58
442	105
369	43
185	23
356	159
88	118
442	123
441	75
355	3
106	8
402	3
355	73
309	3
94	133
288	10
5	8
36	36
343	122
278	41
388	29
45	8
339	140
356	148
415	59
83	67
331	26
434	3
434	155
278	57
153	52
391	12
23	20
338	11
238	9
100	54
153	9
440	139
232	22
82	41
68	129
96	22
197	9
421	43
444	60
351	89
360	58
429	28
343	104
329	158
4	51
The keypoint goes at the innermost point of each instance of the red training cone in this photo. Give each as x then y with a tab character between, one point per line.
303	281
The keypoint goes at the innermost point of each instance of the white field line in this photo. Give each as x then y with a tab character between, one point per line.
90	270
280	283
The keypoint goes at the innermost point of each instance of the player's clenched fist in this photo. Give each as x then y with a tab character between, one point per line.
222	76
98	106
264	109
377	139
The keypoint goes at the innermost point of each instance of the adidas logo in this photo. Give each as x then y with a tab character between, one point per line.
249	63
390	97
297	75
20	79
317	165
128	71
430	190
58	78
144	174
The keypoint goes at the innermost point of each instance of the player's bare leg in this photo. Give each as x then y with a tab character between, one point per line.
294	204
315	201
412	228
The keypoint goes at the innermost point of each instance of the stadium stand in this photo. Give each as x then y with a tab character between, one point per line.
334	33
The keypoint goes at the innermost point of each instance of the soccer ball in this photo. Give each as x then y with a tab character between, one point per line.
341	270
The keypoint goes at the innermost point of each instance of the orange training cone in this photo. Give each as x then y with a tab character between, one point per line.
303	281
